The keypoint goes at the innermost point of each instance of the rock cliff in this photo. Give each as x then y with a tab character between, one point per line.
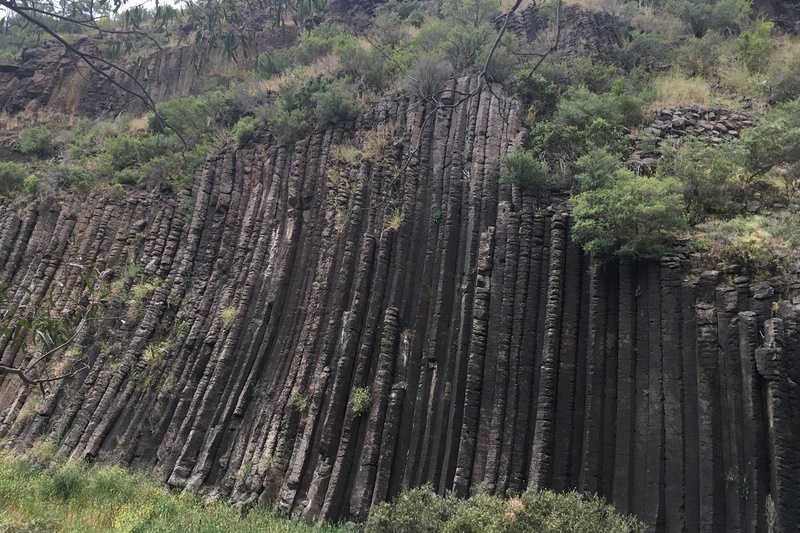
241	320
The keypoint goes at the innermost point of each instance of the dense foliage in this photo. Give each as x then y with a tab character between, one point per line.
421	510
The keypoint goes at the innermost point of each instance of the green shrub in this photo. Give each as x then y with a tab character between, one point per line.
644	48
388	31
12	177
707	174
580	106
420	510
755	46
361	400
560	146
337	102
618	213
525	171
783	79
702	56
37	140
244	130
191	117
538	94
272	63
465	45
416	18
774	142
568	70
417	510
32	184
705	15
320	41
68	480
429	76
504	64
288	126
368	65
470	12
761	245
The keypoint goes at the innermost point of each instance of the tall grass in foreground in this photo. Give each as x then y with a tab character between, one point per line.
76	498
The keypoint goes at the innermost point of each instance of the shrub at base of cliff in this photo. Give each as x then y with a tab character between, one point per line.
622	214
420	510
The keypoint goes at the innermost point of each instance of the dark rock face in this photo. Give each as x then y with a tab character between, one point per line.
241	319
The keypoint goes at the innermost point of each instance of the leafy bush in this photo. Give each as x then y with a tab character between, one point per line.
272	63
12	177
361	400
566	71
783	79
320	41
708	177
429	76
67	481
244	130
336	102
417	510
618	213
538	94
755	46
191	117
37	140
644	48
287	125
702	56
705	15
368	65
774	142
470	12
761	245
420	510
388	31
525	171
32	184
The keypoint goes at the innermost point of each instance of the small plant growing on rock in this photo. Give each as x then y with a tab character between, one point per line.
228	315
396	219
299	400
361	400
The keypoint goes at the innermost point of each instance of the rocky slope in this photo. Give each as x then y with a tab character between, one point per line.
241	320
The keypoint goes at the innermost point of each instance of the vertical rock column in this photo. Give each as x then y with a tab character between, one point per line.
541	468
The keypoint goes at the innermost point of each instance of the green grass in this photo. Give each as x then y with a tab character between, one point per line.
76	498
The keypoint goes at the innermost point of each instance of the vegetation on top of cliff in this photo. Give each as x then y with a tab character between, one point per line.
671	54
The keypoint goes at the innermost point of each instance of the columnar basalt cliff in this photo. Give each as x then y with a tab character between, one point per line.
241	319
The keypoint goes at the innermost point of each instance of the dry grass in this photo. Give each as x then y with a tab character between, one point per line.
370	145
649	19
675	89
327	64
138	124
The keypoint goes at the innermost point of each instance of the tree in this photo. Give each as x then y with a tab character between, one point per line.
622	214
